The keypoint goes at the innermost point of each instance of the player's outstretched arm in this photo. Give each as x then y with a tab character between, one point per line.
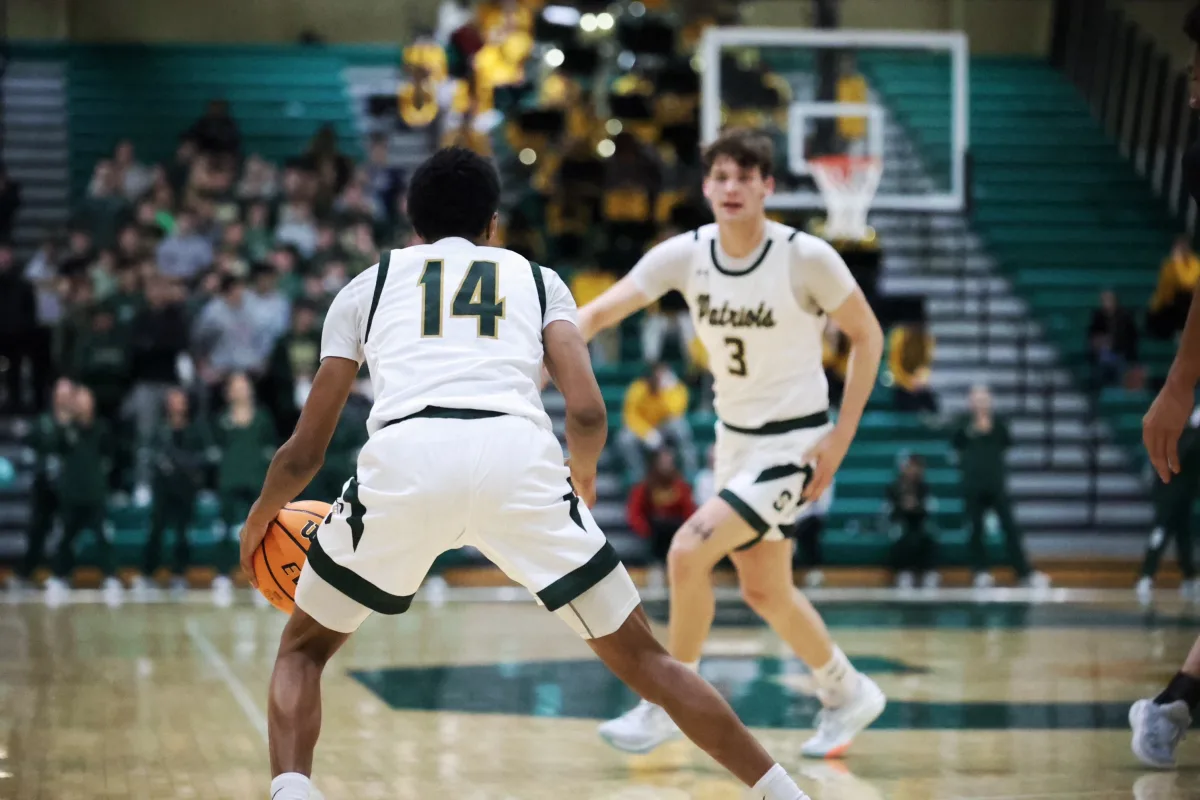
587	419
1167	417
858	321
301	456
621	300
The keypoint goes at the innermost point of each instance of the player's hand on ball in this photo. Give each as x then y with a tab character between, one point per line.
1163	425
253	532
826	458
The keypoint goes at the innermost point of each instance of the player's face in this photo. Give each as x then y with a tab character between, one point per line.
736	193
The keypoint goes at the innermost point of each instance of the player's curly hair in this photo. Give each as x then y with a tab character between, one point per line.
454	192
746	146
1191	25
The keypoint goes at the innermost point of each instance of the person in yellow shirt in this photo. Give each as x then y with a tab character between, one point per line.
655	414
1176	283
910	359
852	88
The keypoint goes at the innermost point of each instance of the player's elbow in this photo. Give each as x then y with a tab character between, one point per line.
588	418
300	459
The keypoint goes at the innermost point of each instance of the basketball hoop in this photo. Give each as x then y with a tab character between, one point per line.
848	185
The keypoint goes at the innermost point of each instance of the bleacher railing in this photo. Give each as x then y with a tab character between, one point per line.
1134	90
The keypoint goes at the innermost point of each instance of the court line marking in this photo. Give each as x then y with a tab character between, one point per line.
232	682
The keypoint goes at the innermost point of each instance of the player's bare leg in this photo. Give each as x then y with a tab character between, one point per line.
851	700
294	704
713	532
634	656
1160	723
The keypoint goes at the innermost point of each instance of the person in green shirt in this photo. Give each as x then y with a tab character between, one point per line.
292	365
178	453
127	301
982	440
246	439
84	447
1173	505
102	360
44	448
913	551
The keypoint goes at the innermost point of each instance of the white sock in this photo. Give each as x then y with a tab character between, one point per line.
837	680
290	786
777	785
694	666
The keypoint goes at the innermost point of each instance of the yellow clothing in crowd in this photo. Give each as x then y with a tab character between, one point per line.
909	357
589	284
1179	275
852	89
644	410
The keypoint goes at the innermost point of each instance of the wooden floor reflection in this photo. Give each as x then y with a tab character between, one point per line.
498	700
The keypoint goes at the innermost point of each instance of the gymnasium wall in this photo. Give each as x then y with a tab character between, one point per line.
218	20
1162	20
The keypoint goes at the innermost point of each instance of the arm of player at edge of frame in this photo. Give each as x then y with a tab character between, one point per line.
857	320
298	459
1164	422
619	301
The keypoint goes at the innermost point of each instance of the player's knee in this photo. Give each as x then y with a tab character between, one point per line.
684	561
766	600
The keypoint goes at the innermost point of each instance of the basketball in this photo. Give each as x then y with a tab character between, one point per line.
279	559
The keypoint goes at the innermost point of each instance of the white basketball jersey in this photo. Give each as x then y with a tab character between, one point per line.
449	324
764	348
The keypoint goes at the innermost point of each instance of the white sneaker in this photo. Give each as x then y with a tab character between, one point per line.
905	580
837	727
179	586
58	592
1036	580
640	730
1157	731
1144	589
222	591
114	591
931	580
983	580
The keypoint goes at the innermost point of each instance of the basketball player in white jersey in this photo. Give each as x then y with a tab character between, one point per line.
461	452
760	294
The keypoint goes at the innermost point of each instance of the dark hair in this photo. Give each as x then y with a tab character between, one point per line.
1191	25
231	282
746	146
453	193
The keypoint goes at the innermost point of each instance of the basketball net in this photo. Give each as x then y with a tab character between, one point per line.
848	185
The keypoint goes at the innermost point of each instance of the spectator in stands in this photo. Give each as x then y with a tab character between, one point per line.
260	181
105	210
179	173
44	454
127	298
1112	341
655	413
910	359
835	357
134	177
86	445
186	252
10	201
230	337
272	306
18	331
216	132
587	284
297	227
130	244
981	441
1176	282
245	437
42	272
913	551
293	363
102	361
258	241
176	455
385	182
1174	504
332	168
659	505
158	339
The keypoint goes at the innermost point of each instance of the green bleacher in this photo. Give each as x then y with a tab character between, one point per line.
279	95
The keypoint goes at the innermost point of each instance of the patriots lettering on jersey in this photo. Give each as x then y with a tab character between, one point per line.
727	316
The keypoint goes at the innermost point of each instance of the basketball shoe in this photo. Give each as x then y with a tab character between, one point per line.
640	729
1157	731
837	727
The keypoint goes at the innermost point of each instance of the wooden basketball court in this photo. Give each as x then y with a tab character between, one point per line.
490	697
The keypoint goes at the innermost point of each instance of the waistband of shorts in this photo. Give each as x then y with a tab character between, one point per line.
437	412
783	425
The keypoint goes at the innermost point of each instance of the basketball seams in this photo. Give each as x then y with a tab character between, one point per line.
262	547
283	528
271	572
312	514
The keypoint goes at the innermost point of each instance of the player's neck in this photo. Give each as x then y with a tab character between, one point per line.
740	239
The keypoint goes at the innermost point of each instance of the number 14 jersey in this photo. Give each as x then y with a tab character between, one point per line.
761	319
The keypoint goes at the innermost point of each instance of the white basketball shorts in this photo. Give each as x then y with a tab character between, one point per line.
443	479
763	473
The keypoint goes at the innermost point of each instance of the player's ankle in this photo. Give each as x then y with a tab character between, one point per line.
776	784
836	679
290	786
1182	687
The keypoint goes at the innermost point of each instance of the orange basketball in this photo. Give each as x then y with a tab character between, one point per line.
279	559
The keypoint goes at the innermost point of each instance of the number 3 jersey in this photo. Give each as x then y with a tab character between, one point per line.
449	324
761	318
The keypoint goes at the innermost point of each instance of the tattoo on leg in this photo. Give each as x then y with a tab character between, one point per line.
702	530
